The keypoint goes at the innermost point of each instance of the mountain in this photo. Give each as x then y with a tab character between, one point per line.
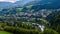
5	4
32	8
48	4
22	2
16	4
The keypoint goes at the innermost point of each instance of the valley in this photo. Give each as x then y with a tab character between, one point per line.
30	17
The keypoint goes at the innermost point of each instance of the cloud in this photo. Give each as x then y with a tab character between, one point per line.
9	1
17	0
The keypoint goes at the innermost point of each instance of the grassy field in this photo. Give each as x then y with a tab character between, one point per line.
4	32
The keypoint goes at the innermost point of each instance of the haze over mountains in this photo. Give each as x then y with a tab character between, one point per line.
4	4
43	3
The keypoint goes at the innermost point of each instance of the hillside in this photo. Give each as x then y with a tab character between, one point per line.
30	17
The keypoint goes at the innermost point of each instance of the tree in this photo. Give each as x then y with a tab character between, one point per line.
55	22
49	31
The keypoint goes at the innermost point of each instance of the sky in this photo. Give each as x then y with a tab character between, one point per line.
9	1
24	1
13	0
18	0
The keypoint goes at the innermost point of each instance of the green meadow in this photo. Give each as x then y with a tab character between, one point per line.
4	32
